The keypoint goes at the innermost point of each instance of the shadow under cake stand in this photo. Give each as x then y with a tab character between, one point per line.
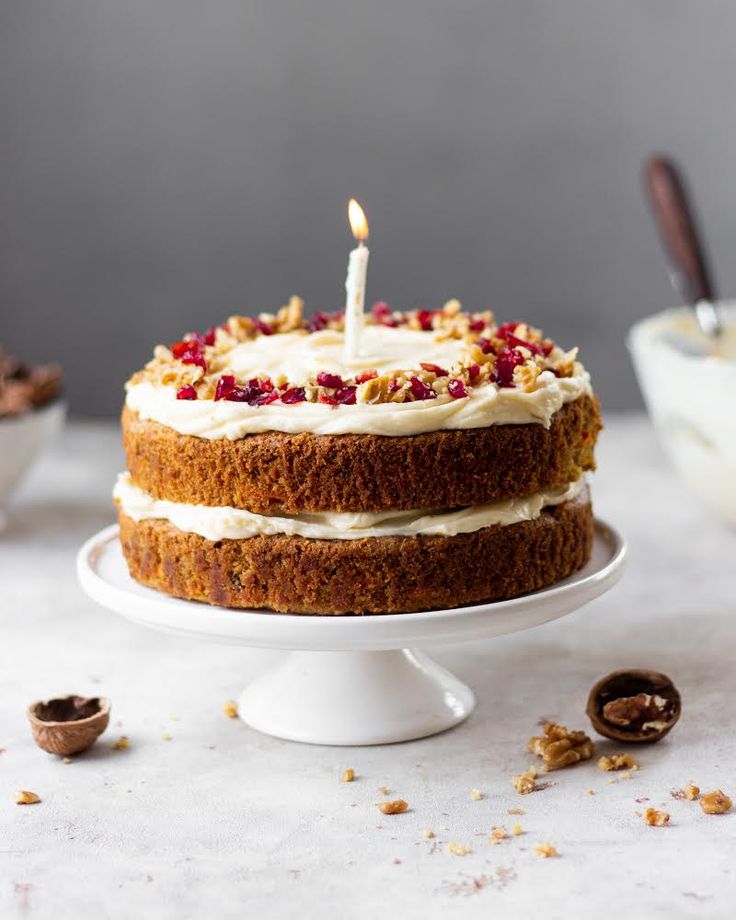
348	680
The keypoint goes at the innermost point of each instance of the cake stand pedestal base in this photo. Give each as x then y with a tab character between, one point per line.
353	698
348	680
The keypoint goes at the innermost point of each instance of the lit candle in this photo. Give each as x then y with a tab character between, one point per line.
355	281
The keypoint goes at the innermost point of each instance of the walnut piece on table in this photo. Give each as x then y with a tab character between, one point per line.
715	803
348	775
26	797
545	850
525	782
692	792
396	807
559	747
656	818
617	762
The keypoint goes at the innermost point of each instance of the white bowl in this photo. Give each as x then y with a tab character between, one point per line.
691	397
22	439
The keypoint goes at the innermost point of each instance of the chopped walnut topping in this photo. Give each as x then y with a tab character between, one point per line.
656	818
617	762
476	795
525	377
715	803
525	782
559	747
545	850
348	775
230	708
396	807
458	849
498	834
25	797
122	744
691	792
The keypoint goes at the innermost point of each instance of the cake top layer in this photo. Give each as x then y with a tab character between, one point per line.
417	371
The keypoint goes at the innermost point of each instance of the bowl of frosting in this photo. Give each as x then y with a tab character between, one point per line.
689	385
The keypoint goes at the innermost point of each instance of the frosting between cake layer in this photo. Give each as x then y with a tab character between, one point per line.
225	523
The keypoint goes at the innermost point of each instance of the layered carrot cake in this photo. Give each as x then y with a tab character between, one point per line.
444	466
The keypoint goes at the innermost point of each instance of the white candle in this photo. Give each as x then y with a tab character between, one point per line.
355	282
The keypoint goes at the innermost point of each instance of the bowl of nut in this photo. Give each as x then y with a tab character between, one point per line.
31	412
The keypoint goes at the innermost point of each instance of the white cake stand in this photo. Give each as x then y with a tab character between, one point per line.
347	680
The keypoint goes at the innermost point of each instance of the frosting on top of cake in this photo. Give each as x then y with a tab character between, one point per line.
417	372
225	523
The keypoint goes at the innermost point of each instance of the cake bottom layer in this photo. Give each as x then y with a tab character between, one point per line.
390	574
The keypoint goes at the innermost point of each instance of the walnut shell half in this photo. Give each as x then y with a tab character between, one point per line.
634	705
69	724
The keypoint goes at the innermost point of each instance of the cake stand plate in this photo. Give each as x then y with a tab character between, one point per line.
348	680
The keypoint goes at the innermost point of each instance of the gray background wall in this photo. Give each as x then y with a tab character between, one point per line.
166	162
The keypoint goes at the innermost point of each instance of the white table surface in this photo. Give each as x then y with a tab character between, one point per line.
222	822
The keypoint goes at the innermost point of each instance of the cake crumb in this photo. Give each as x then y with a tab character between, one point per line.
617	762
458	849
122	744
525	782
515	811
590	791
656	818
26	797
397	807
517	830
715	803
230	708
348	775
428	835
476	795
545	850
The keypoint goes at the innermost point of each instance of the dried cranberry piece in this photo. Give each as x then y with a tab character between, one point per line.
486	346
394	385
420	390
186	392
244	394
328	400
477	325
433	369
265	398
366	375
225	385
180	348
474	372
505	328
262	327
194	356
547	348
425	319
294	395
456	389
266	385
345	396
209	336
325	379
318	321
506	361
381	309
515	342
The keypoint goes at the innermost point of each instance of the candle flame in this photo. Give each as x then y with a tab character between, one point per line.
358	223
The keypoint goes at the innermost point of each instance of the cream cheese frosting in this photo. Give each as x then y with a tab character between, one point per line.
299	355
225	523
